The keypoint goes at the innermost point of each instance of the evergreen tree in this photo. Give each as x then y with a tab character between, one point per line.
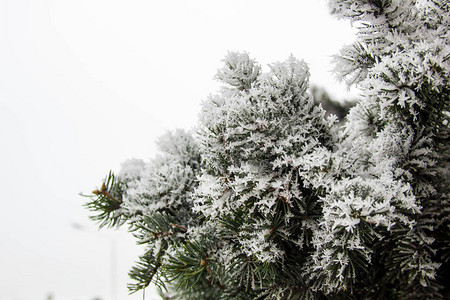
270	199
332	106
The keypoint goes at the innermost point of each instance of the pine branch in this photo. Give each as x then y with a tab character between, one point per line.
107	202
147	270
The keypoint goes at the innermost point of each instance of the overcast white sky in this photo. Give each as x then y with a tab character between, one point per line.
87	84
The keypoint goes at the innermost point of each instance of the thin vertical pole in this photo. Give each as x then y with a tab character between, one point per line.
113	269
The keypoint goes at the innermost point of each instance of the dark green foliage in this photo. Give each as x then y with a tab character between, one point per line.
106	201
146	271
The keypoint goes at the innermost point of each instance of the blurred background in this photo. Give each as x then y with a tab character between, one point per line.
87	84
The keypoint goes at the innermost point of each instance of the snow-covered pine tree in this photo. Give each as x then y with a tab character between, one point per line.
251	139
396	150
269	199
154	199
